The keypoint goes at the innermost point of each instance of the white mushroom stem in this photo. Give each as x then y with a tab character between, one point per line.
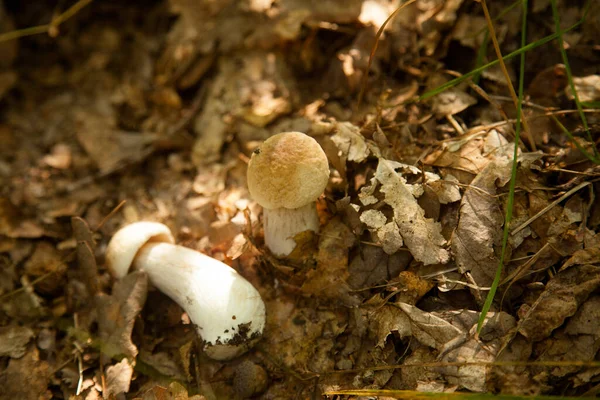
227	310
281	225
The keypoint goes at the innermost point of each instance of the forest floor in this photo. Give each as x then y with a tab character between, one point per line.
116	112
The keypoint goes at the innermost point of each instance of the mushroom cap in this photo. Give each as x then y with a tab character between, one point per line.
288	170
127	242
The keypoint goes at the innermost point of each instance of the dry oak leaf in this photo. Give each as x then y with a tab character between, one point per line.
117	314
421	235
407	320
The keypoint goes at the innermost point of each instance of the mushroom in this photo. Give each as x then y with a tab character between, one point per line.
286	175
227	310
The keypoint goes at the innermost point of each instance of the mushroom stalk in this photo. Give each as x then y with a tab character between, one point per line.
281	225
226	309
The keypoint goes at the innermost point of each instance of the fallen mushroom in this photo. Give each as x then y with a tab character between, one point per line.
286	175
227	310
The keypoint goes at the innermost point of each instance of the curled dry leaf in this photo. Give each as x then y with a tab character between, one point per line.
477	238
468	155
118	377
563	295
421	235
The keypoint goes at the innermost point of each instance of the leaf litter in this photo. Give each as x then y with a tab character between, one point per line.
166	118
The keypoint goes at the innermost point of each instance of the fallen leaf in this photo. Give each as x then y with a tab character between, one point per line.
46	260
477	239
175	391
421	235
328	279
468	155
117	314
26	378
372	266
587	87
118	377
564	347
587	319
350	142
563	295
60	156
14	340
452	101
108	147
163	363
467	348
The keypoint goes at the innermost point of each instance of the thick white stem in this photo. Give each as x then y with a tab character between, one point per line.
227	310
282	224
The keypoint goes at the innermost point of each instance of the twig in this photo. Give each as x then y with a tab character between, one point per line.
46	28
548	207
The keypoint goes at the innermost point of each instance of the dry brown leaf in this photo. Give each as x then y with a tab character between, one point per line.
46	259
24	305
163	363
26	378
451	102
383	319
108	147
175	391
117	314
255	87
466	347
587	319
328	280
118	377
563	295
564	347
13	340
60	156
589	255
296	333
469	154
587	87
372	266
421	235
477	238
350	142
13	225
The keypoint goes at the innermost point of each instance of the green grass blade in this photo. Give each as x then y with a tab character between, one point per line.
507	57
513	179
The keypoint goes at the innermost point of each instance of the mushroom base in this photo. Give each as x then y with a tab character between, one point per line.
281	225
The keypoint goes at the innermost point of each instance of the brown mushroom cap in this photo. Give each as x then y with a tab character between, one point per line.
289	170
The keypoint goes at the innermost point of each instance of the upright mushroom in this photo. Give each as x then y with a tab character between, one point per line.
286	175
227	310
